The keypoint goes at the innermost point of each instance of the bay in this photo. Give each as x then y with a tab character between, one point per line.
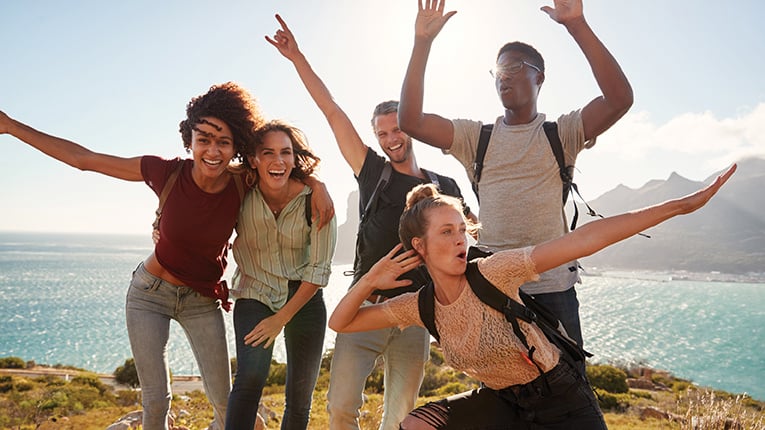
63	297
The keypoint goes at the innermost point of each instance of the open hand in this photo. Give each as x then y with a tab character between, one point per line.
384	274
564	10
284	41
431	19
692	202
265	332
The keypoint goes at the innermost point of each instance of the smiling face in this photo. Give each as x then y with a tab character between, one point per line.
274	160
444	245
212	147
394	142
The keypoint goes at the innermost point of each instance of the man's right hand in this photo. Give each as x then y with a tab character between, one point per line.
430	19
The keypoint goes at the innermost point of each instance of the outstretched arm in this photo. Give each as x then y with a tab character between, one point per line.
429	128
349	316
353	149
602	112
594	236
71	153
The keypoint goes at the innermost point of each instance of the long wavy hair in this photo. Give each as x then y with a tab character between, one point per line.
306	161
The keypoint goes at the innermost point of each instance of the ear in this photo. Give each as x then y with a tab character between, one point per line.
418	245
251	159
540	78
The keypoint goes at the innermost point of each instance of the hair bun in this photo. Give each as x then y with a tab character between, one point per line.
421	192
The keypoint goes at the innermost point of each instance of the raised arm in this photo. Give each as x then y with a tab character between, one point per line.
351	146
349	316
429	128
603	111
594	236
71	153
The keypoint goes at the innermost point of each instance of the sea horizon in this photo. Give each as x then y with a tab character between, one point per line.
64	304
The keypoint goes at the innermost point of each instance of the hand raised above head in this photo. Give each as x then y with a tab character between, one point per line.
284	40
564	10
431	19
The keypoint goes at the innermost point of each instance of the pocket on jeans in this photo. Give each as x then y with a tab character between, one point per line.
143	282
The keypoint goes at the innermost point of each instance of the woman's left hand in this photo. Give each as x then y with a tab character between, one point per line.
265	332
322	207
384	274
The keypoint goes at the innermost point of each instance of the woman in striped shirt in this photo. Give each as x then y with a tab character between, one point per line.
282	263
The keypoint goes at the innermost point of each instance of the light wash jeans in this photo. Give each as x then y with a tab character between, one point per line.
151	304
304	342
405	353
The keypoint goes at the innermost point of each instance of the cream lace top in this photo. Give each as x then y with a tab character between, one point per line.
475	338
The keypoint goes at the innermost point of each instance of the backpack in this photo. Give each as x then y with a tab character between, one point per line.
382	183
566	172
529	311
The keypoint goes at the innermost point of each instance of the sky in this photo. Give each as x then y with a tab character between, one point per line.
116	77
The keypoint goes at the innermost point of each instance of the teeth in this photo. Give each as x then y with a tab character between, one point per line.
212	162
276	172
393	148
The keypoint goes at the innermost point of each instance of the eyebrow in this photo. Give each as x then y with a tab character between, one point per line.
209	134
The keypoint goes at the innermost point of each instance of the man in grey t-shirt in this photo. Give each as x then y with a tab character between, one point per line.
520	188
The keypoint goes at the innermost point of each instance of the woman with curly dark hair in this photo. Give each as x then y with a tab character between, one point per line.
282	263
181	279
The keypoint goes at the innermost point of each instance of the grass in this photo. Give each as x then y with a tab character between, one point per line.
50	402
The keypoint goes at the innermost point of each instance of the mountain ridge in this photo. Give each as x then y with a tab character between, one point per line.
727	235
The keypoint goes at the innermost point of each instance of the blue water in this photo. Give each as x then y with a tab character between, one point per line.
62	302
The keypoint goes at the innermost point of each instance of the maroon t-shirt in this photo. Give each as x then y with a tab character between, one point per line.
195	227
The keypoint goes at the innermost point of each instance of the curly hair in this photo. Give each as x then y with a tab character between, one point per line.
230	103
306	162
414	220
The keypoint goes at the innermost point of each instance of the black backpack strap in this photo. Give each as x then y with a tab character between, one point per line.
308	209
426	303
483	143
433	178
381	184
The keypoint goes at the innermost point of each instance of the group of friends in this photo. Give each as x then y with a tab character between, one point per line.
256	177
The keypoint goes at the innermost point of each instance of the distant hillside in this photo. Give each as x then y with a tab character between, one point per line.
728	235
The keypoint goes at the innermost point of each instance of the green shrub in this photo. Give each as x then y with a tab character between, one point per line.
608	378
277	374
127	374
11	363
612	401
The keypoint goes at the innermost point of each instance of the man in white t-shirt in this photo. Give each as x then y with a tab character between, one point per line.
520	188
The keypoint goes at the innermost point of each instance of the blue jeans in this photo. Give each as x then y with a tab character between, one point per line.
151	304
405	353
304	341
565	306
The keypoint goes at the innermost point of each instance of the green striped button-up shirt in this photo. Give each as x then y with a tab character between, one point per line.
269	252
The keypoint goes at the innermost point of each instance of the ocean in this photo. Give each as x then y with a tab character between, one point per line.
63	298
